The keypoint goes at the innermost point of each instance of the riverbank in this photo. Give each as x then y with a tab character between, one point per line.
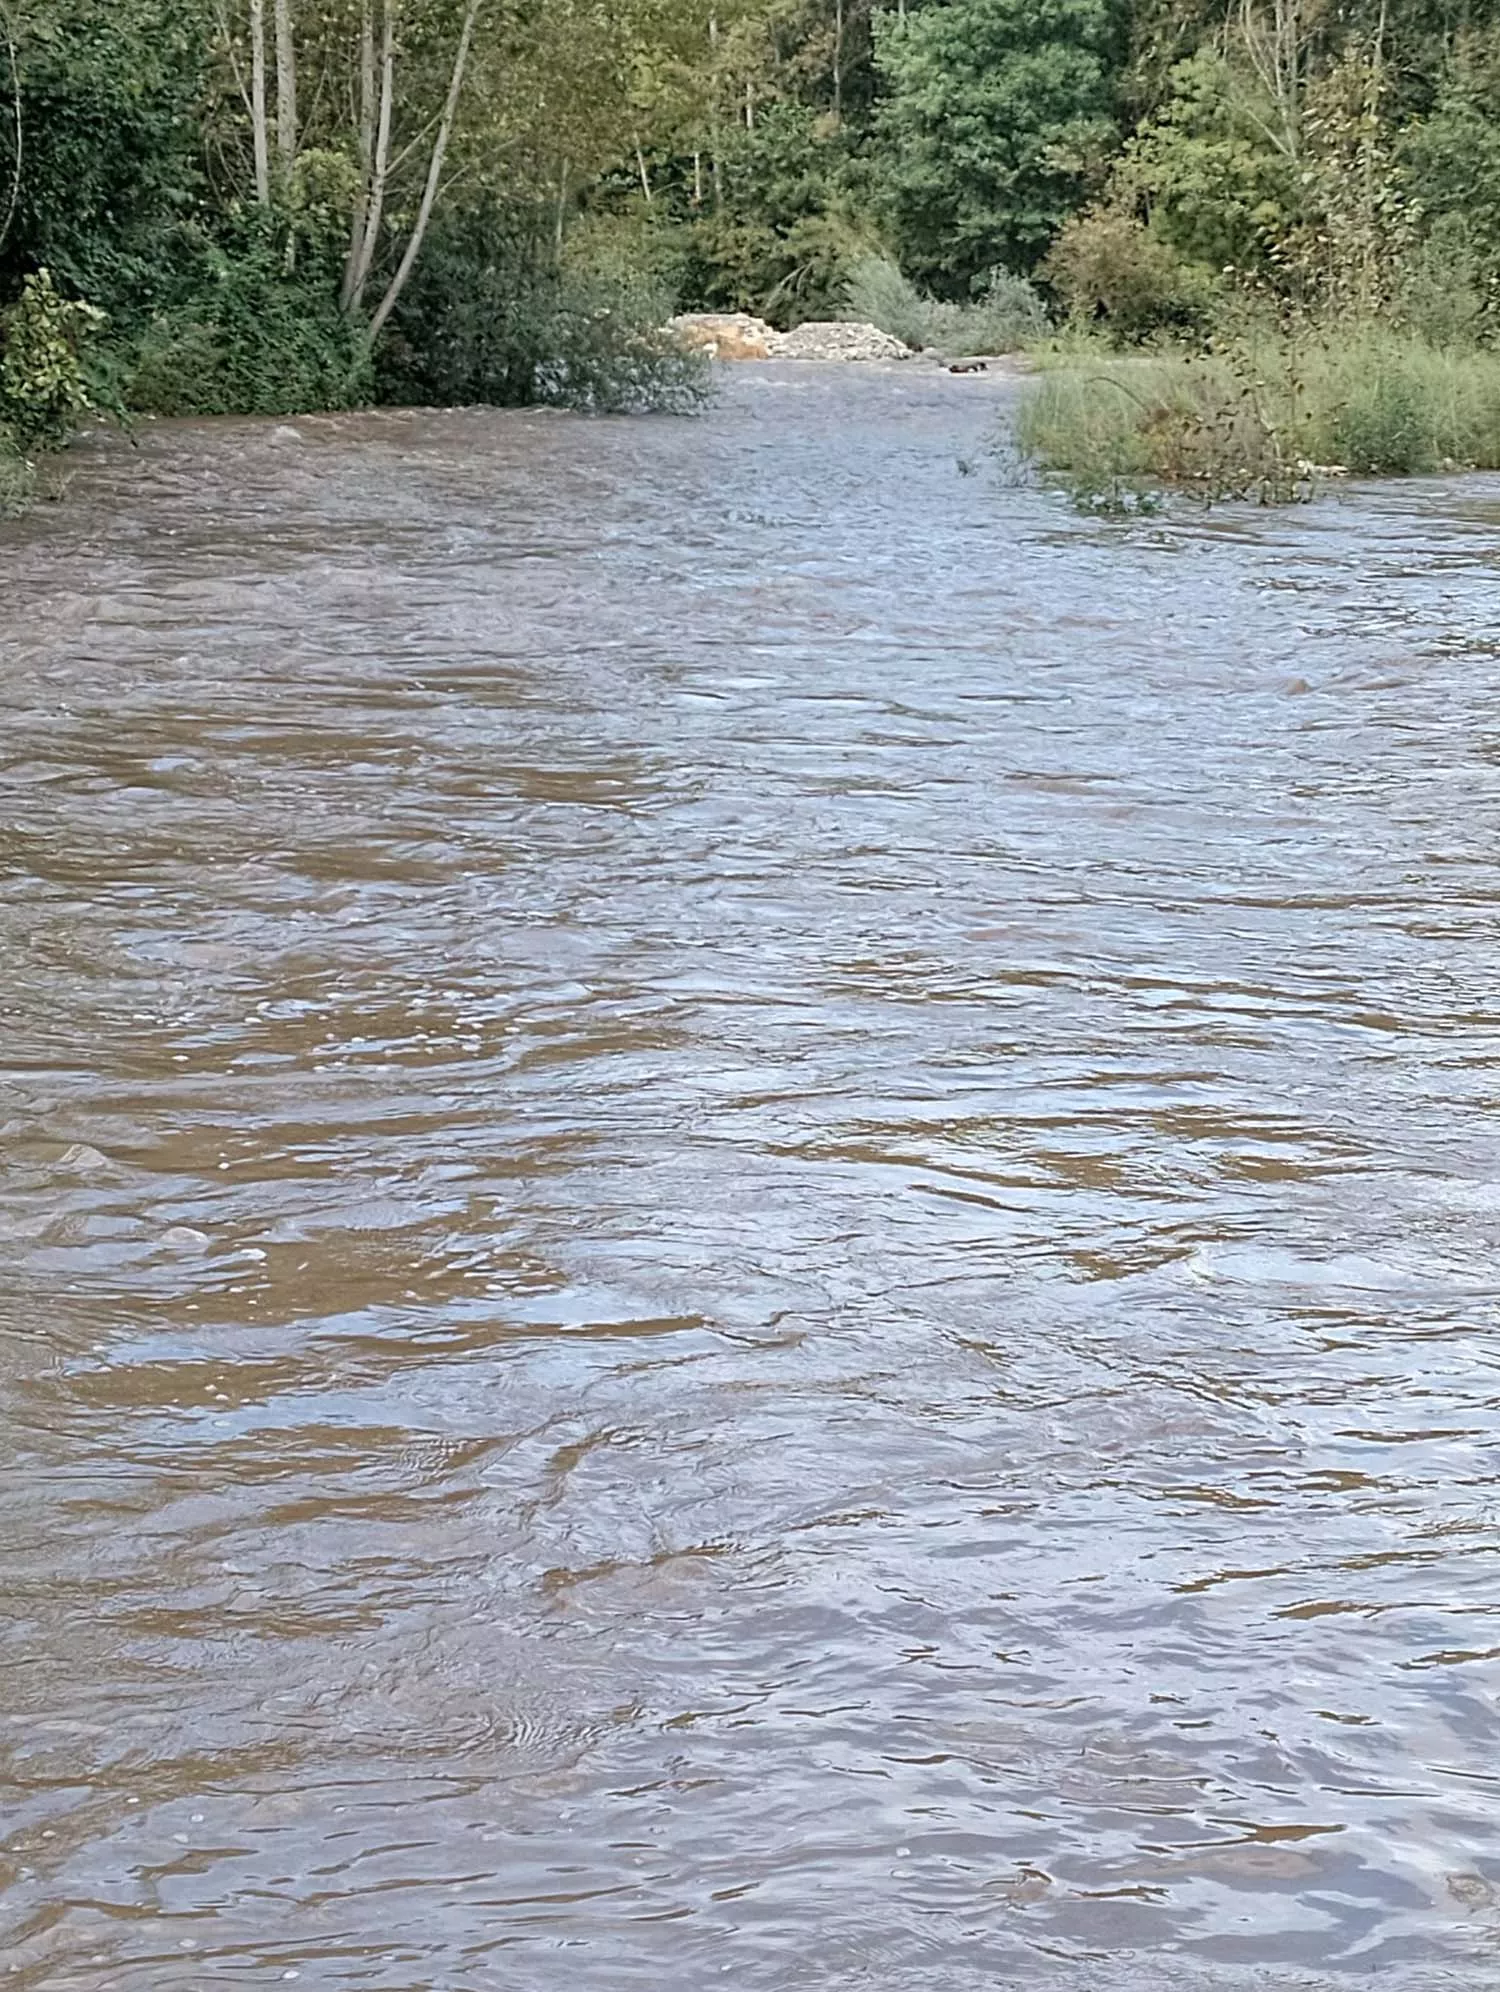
1264	417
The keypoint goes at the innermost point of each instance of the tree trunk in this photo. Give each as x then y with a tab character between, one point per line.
838	58
18	121
361	210
286	93
372	194
434	170
713	109
562	208
259	133
640	162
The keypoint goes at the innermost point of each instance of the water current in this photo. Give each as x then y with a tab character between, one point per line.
748	1218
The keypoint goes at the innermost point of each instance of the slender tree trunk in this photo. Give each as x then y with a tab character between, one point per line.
286	93
838	58
562	208
640	163
434	170
713	109
749	103
697	179
18	120
260	135
361	211
372	197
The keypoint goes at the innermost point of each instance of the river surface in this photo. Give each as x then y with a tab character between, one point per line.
749	1215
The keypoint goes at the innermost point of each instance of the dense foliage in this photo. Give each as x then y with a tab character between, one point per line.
267	205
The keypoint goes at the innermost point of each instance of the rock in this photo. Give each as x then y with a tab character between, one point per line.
81	1160
726	335
735	335
184	1238
833	339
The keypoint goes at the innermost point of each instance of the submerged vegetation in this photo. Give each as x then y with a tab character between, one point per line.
1266	233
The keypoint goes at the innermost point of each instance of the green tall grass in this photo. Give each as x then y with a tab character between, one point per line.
1263	417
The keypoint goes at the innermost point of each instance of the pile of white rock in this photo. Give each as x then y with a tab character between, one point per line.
832	339
735	335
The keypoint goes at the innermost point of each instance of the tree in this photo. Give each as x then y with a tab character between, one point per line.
996	112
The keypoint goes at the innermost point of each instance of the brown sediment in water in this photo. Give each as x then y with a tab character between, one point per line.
748	1211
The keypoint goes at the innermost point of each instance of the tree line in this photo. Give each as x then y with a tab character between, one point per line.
281	204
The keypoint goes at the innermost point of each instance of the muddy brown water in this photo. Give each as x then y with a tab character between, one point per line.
749	1215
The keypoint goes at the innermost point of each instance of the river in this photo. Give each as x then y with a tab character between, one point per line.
749	1213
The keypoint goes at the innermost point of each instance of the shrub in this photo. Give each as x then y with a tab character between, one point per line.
1006	313
778	234
785	274
43	382
604	349
489	317
239	335
1107	267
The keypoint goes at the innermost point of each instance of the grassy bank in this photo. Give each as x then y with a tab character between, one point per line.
1263	417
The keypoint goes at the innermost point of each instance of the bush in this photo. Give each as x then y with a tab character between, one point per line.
1109	269
785	274
238	335
43	382
489	318
604	349
778	233
1006	314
